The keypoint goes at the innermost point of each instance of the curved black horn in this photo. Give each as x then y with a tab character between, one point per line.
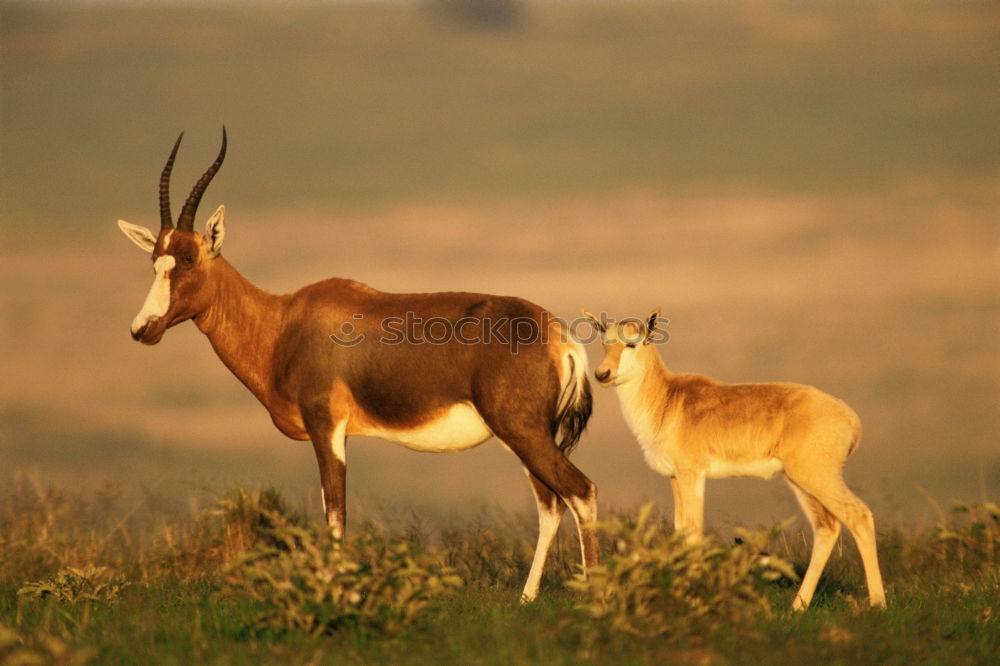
166	219
186	220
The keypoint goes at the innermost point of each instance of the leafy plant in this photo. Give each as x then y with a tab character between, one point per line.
312	583
72	585
654	584
972	537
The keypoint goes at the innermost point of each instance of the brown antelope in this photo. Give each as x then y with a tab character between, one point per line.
692	427
334	359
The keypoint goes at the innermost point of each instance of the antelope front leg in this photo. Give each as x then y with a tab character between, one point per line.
330	447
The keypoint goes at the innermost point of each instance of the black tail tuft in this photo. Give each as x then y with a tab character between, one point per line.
574	416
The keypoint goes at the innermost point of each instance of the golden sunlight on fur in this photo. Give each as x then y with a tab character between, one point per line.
692	427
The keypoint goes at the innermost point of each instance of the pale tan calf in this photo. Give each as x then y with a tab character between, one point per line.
692	427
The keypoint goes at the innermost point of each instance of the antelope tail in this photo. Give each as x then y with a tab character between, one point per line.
575	403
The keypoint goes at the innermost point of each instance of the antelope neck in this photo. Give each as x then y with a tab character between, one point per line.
243	324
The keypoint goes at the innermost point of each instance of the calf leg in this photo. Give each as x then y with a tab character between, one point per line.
678	505
691	487
831	491
826	529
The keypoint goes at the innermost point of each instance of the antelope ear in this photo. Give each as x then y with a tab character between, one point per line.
215	231
651	320
595	322
141	236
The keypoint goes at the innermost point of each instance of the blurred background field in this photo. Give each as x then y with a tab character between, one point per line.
811	191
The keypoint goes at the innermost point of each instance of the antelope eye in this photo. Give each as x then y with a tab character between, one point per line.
188	259
630	345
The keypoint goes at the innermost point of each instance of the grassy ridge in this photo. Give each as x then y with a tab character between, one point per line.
174	606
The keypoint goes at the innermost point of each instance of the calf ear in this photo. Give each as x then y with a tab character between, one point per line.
141	236
651	320
215	231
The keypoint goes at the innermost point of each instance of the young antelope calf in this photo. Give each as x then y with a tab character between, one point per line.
693	427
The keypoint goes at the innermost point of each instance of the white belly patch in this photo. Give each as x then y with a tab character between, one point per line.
455	429
765	469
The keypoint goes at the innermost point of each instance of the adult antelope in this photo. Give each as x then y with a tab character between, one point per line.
333	359
692	427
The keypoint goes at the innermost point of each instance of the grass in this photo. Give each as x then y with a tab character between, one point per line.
165	608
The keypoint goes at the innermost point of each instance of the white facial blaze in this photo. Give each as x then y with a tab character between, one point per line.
628	368
158	301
